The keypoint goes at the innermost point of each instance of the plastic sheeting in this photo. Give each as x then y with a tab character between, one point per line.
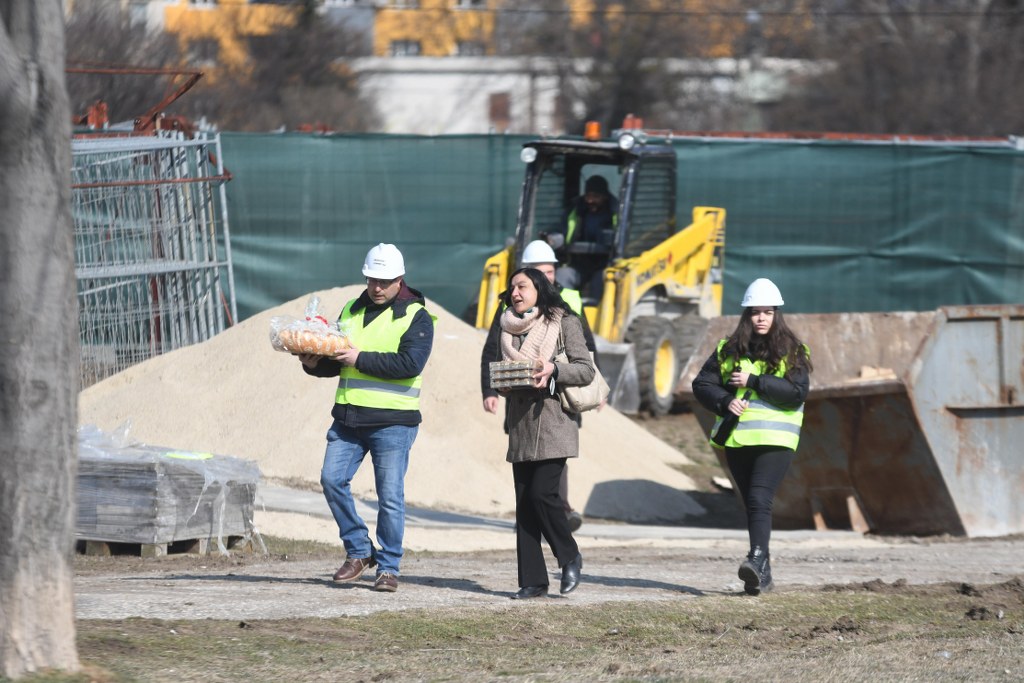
839	226
130	492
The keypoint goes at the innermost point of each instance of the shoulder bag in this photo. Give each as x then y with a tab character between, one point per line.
579	399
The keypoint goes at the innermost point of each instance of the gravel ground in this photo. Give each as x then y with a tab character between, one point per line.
273	587
476	567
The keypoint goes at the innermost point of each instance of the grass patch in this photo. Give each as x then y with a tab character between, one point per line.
904	633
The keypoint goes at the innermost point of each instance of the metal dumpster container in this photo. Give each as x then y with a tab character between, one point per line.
913	425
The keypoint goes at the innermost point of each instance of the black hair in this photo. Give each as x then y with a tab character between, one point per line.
596	183
781	343
548	298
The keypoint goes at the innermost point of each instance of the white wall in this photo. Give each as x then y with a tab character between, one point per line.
450	95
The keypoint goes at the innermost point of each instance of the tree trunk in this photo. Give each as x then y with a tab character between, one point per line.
39	354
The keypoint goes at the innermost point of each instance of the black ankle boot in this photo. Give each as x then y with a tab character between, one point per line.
756	572
766	575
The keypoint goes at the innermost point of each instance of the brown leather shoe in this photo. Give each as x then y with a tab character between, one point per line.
353	569
386	582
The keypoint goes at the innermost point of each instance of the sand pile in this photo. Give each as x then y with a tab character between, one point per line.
235	395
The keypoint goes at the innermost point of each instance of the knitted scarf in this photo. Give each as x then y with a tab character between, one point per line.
541	334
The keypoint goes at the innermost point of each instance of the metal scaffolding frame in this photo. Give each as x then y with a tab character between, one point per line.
152	247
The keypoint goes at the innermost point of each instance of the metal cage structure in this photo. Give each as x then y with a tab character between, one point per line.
152	246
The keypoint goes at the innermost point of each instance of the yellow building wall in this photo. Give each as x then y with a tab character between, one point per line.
438	25
229	22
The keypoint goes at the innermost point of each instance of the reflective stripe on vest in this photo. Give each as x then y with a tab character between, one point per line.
762	423
383	334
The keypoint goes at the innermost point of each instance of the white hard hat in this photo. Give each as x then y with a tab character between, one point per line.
384	262
537	252
762	292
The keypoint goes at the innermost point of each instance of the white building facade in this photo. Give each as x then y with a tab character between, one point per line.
477	95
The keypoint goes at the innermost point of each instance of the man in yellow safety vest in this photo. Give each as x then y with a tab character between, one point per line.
586	241
376	411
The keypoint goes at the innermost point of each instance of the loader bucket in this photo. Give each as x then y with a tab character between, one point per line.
913	425
618	365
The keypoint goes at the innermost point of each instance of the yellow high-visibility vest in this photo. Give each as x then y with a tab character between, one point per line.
573	300
761	424
384	333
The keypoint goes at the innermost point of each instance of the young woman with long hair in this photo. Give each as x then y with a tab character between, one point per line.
756	382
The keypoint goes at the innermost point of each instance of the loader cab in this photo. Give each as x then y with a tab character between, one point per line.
641	183
659	283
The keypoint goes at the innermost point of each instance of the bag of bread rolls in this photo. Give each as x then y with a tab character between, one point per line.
312	334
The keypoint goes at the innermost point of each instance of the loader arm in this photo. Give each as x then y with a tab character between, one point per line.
492	283
682	266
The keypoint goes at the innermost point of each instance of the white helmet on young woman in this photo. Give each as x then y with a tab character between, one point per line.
762	292
538	252
384	262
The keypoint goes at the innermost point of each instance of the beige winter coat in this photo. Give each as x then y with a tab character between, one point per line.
538	428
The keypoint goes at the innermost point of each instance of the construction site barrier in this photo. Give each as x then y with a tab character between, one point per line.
152	247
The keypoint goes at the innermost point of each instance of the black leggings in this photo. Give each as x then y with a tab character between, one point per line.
758	471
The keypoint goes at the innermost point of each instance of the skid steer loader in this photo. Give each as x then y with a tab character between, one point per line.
662	282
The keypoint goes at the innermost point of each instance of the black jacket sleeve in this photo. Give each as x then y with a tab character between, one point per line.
784	392
708	388
325	367
491	352
588	336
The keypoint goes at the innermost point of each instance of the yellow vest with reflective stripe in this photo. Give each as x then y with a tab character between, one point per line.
761	424
384	334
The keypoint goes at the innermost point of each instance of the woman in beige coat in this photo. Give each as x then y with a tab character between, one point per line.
541	436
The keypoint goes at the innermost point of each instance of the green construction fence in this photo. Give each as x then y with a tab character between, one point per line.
838	225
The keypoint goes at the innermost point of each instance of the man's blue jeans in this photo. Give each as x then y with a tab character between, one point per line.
389	453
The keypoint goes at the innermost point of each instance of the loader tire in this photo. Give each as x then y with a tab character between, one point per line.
657	363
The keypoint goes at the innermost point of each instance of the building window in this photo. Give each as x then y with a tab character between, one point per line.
406	48
204	51
499	111
201	3
471	4
470	48
404	4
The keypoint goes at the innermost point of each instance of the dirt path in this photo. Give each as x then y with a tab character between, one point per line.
472	563
250	588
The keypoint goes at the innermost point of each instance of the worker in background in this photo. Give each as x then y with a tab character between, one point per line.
537	254
376	410
586	243
756	381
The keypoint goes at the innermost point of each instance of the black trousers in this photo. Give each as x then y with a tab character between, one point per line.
540	513
758	471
